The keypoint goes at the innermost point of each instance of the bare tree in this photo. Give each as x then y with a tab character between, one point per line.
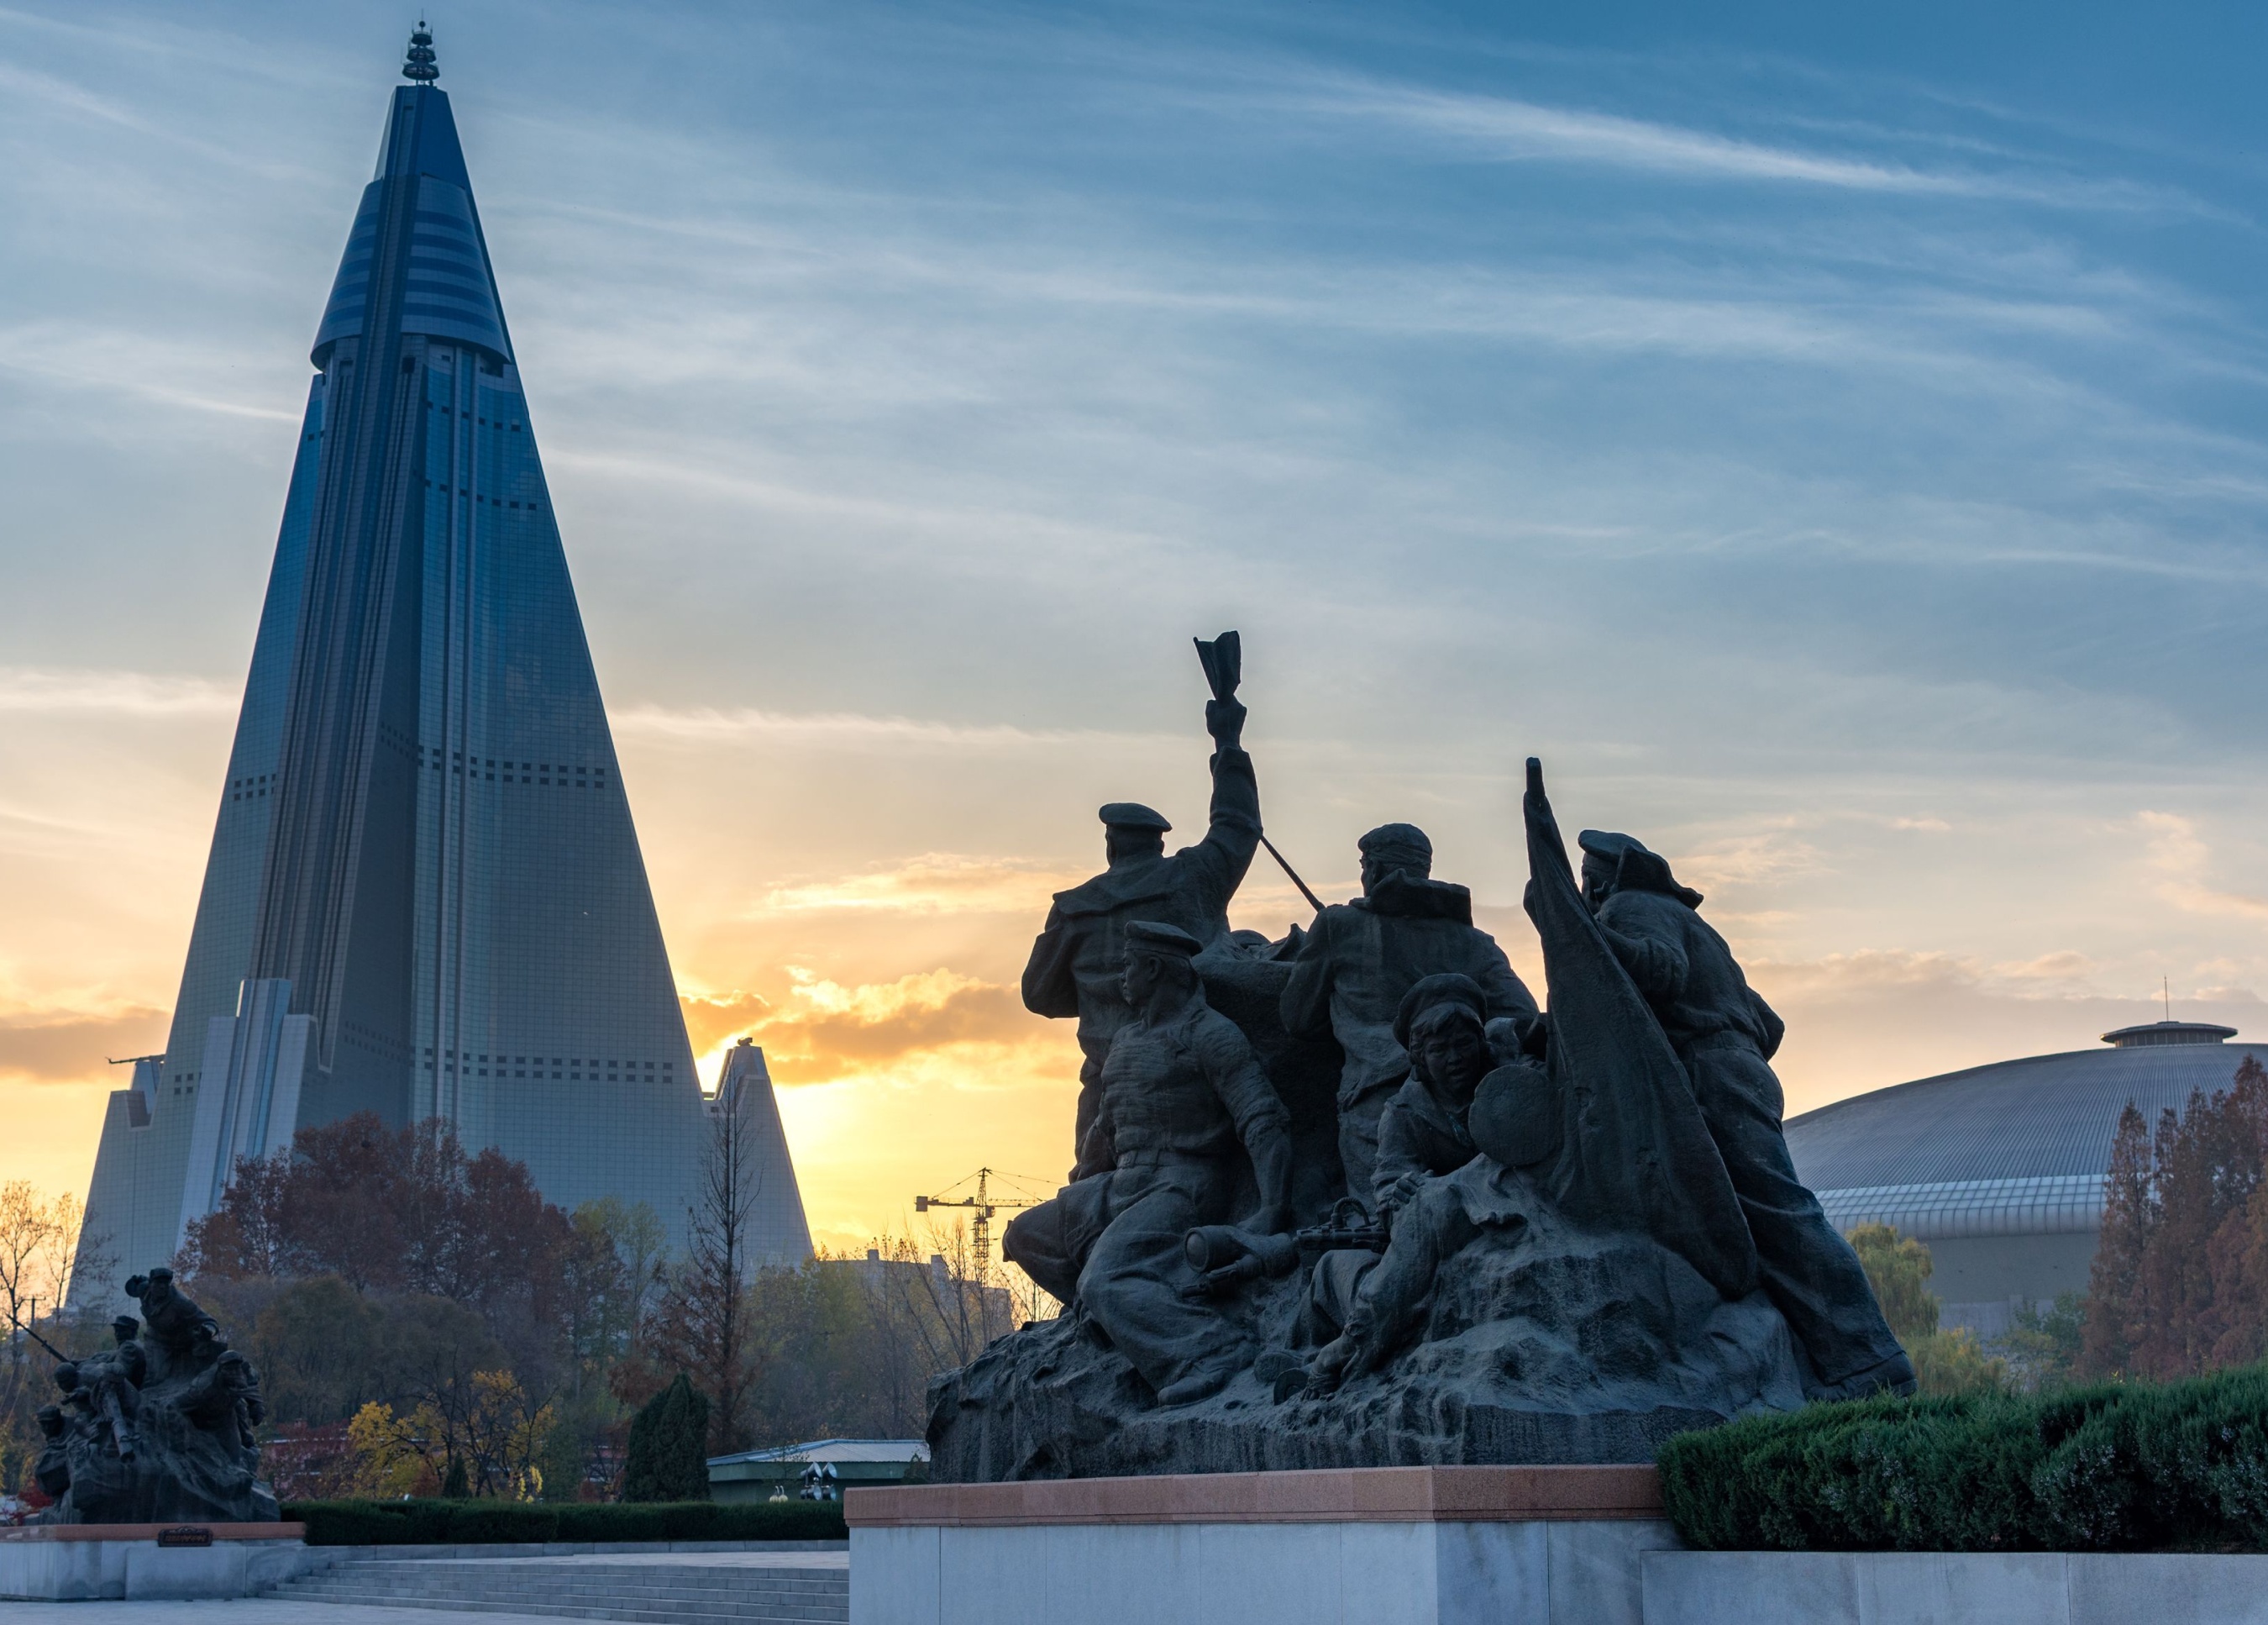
931	1311
704	1323
43	1251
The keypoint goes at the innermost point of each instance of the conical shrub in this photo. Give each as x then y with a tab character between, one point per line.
669	1446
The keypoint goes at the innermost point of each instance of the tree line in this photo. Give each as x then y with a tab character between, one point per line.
425	1323
2179	1283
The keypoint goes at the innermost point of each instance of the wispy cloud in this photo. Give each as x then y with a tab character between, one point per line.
1511	129
158	367
850	731
32	690
933	883
54	1046
2184	861
824	1030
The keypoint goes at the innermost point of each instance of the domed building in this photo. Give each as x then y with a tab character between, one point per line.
2000	1168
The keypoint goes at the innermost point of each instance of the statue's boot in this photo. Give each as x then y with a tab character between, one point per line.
1274	1362
1202	1383
1325	1374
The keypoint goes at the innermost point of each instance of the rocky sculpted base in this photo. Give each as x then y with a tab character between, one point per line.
1571	1347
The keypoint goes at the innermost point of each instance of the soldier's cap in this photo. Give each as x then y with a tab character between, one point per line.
1149	936
1636	868
1443	987
1132	816
1404	844
125	1327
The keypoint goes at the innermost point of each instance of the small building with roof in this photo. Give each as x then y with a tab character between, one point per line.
779	1473
1999	1168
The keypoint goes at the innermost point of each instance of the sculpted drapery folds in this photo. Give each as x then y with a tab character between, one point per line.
1603	1131
1726	1035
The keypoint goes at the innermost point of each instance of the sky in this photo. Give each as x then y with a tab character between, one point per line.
1838	445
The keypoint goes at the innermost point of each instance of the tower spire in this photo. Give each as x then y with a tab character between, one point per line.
420	68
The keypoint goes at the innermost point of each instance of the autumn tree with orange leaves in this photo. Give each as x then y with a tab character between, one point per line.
2180	1280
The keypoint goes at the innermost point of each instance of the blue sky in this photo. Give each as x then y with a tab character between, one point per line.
1834	443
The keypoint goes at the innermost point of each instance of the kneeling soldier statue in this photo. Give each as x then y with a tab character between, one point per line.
1181	1090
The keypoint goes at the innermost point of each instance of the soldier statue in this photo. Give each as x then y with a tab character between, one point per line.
1074	967
1726	1035
1423	1136
161	1427
1360	960
1183	1102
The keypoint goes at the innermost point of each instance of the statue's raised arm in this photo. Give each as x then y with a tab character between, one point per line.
1074	964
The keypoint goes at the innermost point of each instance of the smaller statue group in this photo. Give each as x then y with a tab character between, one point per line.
158	1428
1643	1101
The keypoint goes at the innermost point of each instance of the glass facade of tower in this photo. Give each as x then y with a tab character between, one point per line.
424	830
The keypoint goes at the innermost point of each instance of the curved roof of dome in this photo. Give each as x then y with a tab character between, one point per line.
2012	1148
2047	1114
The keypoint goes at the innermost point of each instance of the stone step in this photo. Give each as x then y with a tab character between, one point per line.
658	1593
753	1600
586	1611
626	1588
746	1607
566	1565
519	1575
358	1581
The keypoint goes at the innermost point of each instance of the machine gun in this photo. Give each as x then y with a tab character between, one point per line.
1225	1257
1350	1225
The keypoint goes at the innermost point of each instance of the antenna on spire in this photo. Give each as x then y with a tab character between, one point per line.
2166	992
420	68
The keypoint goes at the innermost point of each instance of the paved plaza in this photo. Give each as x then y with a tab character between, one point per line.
253	1611
689	1588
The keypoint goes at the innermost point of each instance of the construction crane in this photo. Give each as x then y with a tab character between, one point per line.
981	1205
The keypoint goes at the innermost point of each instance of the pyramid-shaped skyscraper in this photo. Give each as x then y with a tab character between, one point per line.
424	898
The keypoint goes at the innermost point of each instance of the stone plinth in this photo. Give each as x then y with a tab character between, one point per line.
1383	1546
1936	1588
94	1562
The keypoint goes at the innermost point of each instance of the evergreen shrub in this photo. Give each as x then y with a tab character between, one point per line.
471	1522
2123	1467
668	1455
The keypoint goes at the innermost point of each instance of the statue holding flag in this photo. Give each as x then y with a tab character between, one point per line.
1074	968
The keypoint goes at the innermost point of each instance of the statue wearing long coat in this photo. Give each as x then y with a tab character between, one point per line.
1074	970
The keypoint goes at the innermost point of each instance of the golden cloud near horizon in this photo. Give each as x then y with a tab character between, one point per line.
822	1032
55	1045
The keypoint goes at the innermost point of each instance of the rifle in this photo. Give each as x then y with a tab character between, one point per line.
1314	901
36	1338
1223	660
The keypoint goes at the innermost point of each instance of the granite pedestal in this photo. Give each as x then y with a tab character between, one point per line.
133	1562
1380	1546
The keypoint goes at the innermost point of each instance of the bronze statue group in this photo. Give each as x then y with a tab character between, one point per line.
161	1426
1464	1116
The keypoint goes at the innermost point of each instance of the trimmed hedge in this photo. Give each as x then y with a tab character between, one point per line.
472	1522
2132	1466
